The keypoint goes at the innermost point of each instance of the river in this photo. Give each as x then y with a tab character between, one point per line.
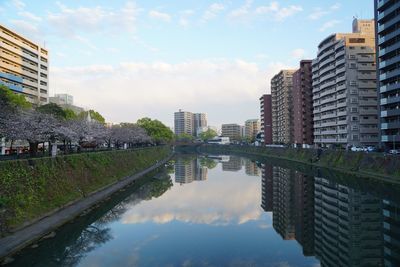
232	211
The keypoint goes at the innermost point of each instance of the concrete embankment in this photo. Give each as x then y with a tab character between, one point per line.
39	195
374	165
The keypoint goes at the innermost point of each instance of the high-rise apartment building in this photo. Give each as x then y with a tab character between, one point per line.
24	66
252	128
183	122
231	130
199	122
189	123
302	104
387	16
344	88
266	118
282	106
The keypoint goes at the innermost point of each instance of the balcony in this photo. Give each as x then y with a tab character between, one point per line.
389	36
390	100
387	11
389	49
369	130
368	121
390	113
368	103
368	112
368	93
365	59
367	84
388	62
390	138
390	87
388	23
369	76
13	87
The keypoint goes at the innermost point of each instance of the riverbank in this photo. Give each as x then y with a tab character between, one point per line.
374	165
32	189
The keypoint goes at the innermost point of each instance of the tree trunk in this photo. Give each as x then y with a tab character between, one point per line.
33	148
11	146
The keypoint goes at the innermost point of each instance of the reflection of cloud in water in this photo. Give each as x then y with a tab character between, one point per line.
221	200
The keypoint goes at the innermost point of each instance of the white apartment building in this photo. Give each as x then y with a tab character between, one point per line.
344	88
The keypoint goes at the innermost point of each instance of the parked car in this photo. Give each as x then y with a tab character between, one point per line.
370	149
394	151
356	149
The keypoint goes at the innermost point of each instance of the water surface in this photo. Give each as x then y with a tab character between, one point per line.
232	211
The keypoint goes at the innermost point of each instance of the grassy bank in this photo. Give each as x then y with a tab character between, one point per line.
360	163
31	188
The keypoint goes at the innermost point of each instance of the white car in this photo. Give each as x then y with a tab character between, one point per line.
356	149
394	151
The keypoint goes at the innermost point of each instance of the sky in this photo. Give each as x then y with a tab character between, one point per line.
150	58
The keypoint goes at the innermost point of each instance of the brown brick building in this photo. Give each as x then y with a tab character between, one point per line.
302	104
266	118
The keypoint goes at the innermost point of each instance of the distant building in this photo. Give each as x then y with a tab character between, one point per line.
66	102
344	88
183	122
199	122
282	107
302	104
266	118
232	131
388	41
189	123
24	67
252	128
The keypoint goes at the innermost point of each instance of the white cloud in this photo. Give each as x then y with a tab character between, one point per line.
131	90
159	15
184	18
241	12
30	30
278	13
236	207
18	4
298	53
29	16
335	6
213	11
329	24
71	21
317	13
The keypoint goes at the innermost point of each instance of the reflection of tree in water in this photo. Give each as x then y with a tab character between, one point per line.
207	162
88	232
91	237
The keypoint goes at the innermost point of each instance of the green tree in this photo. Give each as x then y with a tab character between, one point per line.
184	137
156	130
53	109
94	115
209	134
70	114
12	100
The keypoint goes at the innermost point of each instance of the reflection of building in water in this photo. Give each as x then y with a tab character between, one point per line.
234	164
304	210
266	187
188	170
347	226
251	168
200	171
184	170
391	233
283	202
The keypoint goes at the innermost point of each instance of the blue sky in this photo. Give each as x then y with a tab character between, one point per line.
129	59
